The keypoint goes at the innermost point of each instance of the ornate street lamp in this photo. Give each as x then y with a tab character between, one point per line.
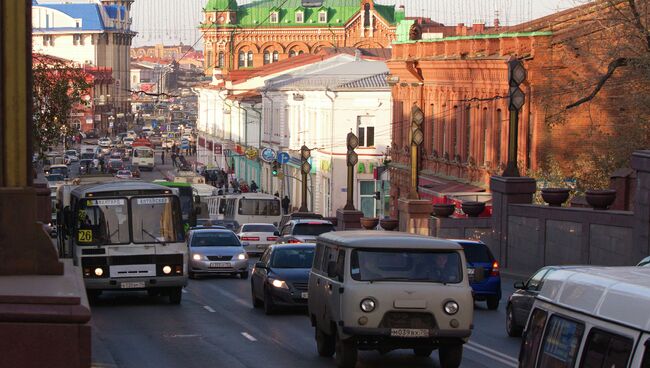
516	76
351	159
417	137
305	168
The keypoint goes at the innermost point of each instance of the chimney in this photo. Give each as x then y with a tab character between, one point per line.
478	27
460	29
497	23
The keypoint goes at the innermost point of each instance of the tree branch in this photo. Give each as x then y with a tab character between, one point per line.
638	24
610	71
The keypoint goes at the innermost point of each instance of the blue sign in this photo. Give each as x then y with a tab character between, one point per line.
185	144
268	154
154	124
283	158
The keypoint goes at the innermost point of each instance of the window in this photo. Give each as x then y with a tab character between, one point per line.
274	18
92	39
366	131
292	53
318	257
107	39
259	207
46	40
486	131
322	17
76	39
220	60
532	339
340	265
242	59
366	15
468	133
454	134
561	342
298	258
328	255
77	24
249	59
497	141
208	59
103	222
312	229
300	52
276	56
300	17
606	350
537	280
445	148
267	57
215	239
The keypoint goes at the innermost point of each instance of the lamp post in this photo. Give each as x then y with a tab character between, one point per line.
351	159
305	168
111	124
417	117
516	76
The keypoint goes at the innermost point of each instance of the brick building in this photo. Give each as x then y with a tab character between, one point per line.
460	83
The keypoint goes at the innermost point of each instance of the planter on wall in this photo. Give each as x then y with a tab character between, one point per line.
473	209
555	196
389	224
443	209
369	223
600	199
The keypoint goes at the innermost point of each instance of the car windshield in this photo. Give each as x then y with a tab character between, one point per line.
153	220
55	177
215	239
59	170
292	258
258	228
314	229
406	265
477	253
102	222
71	152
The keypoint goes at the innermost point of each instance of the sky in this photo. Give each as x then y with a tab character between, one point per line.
173	21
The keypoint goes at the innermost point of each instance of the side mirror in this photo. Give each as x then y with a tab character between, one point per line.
331	269
261	265
276	233
479	274
519	285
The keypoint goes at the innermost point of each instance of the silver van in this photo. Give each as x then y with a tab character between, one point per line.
590	317
377	290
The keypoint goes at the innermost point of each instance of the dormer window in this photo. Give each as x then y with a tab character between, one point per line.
322	16
274	18
300	17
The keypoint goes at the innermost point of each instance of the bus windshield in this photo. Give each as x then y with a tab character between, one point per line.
259	207
153	220
102	222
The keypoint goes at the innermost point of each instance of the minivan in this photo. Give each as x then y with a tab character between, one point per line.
590	317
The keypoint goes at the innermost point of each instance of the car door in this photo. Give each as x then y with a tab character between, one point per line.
330	289
523	299
260	275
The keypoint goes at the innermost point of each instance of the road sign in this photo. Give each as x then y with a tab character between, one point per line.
268	155
283	158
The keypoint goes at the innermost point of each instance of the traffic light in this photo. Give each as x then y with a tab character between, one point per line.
377	195
275	168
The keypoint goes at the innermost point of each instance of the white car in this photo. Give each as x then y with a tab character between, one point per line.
131	134
257	237
72	155
104	142
124	174
128	141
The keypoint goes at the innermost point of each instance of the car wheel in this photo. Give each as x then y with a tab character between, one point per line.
492	302
346	353
244	275
450	355
423	352
512	328
175	295
269	307
325	343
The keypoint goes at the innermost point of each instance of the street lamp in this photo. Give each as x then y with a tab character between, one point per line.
305	168
417	137
516	76
351	159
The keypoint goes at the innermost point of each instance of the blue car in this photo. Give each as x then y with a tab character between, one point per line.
478	255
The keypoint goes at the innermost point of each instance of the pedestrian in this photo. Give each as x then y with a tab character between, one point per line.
254	186
194	149
285	204
174	163
162	157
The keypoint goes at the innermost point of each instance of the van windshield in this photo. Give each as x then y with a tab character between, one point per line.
406	265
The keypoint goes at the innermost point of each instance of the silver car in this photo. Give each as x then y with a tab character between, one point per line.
216	251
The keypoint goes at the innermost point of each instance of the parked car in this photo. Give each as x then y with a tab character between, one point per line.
216	251
381	290
124	174
258	236
644	262
478	255
304	230
297	216
521	301
115	165
281	277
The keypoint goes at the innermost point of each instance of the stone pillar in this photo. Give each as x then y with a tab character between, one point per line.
414	215
348	219
641	231
506	190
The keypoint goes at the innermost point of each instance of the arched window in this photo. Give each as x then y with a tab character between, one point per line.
208	60
249	59
445	145
220	61
300	17
242	59
292	53
267	57
276	56
366	15
300	52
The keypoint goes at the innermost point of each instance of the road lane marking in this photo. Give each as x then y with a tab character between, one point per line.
249	336
207	307
181	336
231	296
493	354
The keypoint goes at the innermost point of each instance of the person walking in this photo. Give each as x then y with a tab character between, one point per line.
254	186
174	163
285	204
162	157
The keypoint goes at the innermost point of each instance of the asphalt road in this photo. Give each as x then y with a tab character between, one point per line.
216	326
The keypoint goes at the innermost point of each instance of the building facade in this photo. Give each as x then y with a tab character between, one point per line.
264	32
96	34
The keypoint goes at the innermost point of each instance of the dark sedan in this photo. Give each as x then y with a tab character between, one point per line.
115	165
281	277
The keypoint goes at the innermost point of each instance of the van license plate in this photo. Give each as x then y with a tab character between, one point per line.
409	332
219	264
132	285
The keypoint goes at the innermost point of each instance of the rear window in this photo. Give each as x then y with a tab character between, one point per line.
312	229
477	253
259	229
215	239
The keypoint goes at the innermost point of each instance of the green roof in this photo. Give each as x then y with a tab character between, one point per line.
215	5
258	12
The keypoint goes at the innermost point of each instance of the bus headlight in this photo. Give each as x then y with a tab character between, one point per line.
167	270
99	272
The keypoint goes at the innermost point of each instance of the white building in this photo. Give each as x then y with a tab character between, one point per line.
89	32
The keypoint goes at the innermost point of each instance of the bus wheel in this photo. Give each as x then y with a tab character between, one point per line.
175	295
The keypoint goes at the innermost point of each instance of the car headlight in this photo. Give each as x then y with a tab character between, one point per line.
242	256
451	308
279	284
197	257
368	305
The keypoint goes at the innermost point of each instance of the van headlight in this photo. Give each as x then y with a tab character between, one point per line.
451	308
368	305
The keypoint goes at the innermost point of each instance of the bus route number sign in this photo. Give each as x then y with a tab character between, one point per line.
85	236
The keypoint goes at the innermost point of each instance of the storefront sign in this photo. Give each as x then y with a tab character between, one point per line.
325	166
366	167
268	155
218	149
251	153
